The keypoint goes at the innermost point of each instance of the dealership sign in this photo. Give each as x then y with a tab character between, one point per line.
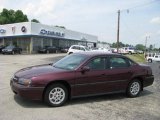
2	30
52	33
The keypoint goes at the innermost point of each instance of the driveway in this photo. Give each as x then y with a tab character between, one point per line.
108	107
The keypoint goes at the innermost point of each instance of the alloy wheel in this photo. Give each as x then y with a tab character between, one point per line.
56	95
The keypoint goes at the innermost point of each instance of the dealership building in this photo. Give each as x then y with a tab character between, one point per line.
31	36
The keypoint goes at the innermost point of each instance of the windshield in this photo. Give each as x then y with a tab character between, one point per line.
9	47
131	48
70	62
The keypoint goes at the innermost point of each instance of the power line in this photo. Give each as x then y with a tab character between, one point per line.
140	5
148	3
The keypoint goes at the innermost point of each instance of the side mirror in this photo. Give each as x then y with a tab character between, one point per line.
85	68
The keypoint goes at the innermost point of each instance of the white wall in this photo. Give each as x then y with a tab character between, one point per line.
9	28
35	28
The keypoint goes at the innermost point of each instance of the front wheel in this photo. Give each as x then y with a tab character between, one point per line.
134	88
13	52
47	51
56	95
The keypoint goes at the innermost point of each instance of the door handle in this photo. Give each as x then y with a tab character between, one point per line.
103	74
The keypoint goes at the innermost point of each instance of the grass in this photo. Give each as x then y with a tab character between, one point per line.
137	58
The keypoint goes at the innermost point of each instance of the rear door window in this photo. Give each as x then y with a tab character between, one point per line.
118	62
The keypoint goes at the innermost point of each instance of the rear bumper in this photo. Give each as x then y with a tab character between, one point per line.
31	93
148	81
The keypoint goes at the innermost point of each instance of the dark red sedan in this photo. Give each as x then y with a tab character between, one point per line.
82	74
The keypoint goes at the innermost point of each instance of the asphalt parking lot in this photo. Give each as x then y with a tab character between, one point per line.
108	107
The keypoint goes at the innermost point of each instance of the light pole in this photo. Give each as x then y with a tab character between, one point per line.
146	43
118	31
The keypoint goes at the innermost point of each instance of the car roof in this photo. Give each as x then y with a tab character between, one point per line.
93	53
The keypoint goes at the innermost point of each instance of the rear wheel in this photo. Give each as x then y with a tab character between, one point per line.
70	53
150	60
134	88
130	52
56	95
20	52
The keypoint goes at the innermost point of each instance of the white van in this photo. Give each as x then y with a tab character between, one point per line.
129	50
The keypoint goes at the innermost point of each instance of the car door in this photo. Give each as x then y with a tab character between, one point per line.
14	49
92	81
156	58
118	74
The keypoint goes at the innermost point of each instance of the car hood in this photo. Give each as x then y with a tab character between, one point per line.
34	71
7	49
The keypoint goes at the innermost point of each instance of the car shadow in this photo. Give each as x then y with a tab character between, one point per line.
29	103
110	97
145	93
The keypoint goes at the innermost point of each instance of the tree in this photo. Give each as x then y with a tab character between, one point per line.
60	26
11	16
140	47
35	20
20	17
150	47
114	45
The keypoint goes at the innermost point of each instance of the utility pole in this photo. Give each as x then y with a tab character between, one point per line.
118	31
146	43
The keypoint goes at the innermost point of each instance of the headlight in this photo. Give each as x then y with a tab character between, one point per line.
25	82
9	50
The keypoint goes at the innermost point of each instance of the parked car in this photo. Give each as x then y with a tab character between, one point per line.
155	58
64	49
1	47
12	50
82	74
77	48
139	51
49	49
130	50
102	50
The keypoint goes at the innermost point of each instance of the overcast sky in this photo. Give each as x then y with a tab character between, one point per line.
139	18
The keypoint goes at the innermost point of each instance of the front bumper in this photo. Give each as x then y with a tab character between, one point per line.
6	52
31	93
148	80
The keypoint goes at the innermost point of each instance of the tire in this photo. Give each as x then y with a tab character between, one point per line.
53	93
130	53
47	51
150	60
20	52
13	52
70	53
134	88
